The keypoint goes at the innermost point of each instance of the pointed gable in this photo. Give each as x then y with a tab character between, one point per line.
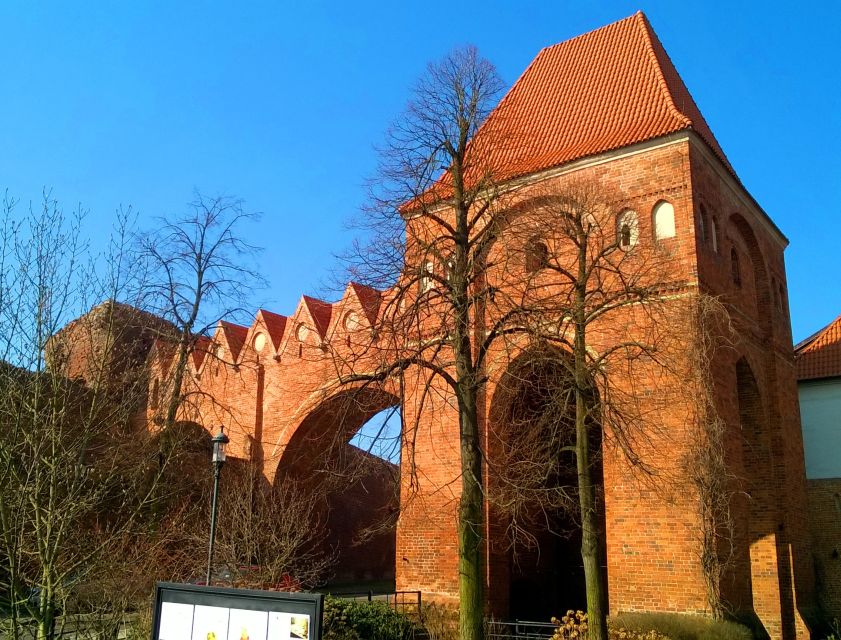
320	312
600	91
202	347
275	326
369	298
819	356
234	336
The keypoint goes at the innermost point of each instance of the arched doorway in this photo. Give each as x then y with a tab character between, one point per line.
346	455
762	555
534	490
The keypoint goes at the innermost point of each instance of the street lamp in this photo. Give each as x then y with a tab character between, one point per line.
219	442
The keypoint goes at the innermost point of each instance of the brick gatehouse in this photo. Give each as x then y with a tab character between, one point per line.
610	107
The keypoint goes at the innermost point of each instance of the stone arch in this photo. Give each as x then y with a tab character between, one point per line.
761	281
763	559
357	493
531	421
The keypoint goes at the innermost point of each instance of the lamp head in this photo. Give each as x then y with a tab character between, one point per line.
219	442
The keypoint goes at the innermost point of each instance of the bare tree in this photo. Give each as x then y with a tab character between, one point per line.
70	450
272	536
478	268
429	206
199	274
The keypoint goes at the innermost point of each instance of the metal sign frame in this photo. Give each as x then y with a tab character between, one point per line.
221	607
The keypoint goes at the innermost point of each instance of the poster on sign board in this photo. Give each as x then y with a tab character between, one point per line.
190	612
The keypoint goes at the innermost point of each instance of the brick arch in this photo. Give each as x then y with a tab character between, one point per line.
760	272
329	422
762	555
551	579
356	493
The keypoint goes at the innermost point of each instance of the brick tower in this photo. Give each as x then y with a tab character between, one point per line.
608	107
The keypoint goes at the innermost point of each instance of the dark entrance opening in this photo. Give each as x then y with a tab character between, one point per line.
347	455
533	485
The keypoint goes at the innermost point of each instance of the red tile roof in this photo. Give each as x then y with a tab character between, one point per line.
819	356
320	313
202	347
235	335
369	298
607	89
275	325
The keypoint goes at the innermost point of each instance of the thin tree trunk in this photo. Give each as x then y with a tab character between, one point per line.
593	578
470	525
594	584
46	611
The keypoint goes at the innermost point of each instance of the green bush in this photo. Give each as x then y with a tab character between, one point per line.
354	620
681	627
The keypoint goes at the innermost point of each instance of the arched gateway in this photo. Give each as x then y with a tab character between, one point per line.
610	108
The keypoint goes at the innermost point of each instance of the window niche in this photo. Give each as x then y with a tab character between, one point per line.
714	233
426	280
537	255
735	269
627	230
663	218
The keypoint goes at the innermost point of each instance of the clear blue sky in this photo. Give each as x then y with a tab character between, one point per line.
139	103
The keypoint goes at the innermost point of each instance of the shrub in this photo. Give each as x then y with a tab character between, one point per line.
354	620
677	626
571	626
441	621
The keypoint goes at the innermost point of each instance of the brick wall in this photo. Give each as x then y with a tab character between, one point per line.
825	520
283	408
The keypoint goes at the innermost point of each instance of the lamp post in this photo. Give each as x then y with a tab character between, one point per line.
219	442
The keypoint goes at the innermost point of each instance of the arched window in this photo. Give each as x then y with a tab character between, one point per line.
702	223
735	271
627	229
537	255
426	281
714	234
450	266
664	220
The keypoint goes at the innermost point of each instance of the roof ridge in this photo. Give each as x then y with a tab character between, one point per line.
609	25
642	22
815	337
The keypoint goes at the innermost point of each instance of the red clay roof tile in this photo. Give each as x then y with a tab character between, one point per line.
235	335
607	89
819	356
275	325
201	349
369	298
320	313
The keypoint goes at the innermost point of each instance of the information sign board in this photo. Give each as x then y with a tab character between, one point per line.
190	612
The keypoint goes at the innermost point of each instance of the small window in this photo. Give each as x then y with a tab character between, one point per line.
735	271
426	281
714	234
537	255
702	224
627	230
664	220
782	297
450	266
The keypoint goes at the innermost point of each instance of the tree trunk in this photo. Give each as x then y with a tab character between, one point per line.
593	578
470	525
46	612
